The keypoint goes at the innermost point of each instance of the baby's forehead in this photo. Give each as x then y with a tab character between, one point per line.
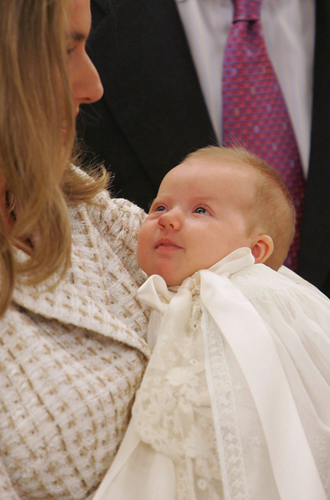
224	181
210	170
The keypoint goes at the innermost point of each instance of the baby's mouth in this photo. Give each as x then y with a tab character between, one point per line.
167	244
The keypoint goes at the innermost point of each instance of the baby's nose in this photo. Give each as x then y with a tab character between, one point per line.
171	219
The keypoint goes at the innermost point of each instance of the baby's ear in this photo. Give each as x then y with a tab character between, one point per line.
263	248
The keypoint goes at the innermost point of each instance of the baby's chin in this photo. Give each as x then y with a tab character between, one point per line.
172	273
169	280
173	280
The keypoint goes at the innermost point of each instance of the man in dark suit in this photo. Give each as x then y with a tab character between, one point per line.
153	112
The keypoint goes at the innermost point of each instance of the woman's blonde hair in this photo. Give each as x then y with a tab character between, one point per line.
273	211
35	106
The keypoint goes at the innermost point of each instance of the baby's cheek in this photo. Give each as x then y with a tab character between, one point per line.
143	248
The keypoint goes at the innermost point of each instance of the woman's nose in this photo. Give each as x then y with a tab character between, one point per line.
171	219
86	83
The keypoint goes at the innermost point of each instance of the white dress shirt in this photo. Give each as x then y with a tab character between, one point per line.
288	27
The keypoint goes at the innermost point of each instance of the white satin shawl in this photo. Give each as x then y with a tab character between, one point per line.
235	402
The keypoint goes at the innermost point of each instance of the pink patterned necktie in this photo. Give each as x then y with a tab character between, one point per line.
254	111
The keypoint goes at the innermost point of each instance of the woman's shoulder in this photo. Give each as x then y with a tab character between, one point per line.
103	207
115	216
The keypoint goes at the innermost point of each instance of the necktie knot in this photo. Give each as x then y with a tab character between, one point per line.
247	10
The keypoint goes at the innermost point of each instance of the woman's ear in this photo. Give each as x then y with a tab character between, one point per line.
263	248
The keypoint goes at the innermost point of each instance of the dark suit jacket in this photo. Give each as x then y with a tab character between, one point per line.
153	112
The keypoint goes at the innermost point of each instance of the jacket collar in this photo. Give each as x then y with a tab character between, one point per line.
64	301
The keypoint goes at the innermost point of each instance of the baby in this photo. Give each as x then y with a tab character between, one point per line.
235	402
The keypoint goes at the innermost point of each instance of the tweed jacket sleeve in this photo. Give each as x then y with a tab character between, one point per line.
119	223
71	360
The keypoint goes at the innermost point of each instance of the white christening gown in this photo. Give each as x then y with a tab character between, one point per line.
235	402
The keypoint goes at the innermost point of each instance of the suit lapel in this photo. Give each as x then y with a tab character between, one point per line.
314	261
146	47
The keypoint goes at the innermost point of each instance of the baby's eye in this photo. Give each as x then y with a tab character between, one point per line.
201	210
160	208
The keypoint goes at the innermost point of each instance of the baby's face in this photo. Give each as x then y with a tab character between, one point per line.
198	217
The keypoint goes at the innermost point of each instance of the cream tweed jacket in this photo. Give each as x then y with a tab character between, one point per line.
71	360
